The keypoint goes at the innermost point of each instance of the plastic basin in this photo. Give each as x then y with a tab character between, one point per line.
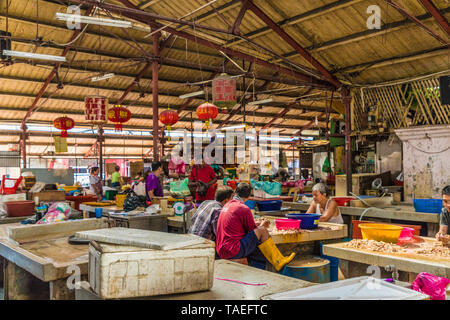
19	208
308	220
381	232
286	224
270	205
251	204
428	205
120	199
342	201
406	234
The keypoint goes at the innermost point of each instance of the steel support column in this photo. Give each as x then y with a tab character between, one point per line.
346	99
155	95
23	145
100	149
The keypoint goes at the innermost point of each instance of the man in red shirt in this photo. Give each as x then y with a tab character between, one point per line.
204	173
238	236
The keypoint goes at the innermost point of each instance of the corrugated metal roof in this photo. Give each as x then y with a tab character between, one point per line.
336	36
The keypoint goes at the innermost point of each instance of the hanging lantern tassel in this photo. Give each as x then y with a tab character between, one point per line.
168	130
64	134
118	127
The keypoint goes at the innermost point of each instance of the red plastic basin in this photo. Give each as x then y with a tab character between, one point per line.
285	224
342	201
19	208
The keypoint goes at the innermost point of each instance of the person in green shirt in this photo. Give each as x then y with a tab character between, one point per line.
115	178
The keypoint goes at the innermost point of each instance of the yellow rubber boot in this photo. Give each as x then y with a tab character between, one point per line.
273	255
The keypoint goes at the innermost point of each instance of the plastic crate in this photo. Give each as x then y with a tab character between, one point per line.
428	205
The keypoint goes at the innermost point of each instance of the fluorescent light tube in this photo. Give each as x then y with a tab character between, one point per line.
31	55
74	18
103	77
241	126
258	102
310	132
192	94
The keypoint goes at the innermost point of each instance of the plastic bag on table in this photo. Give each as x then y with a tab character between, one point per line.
132	201
180	187
58	211
139	189
431	285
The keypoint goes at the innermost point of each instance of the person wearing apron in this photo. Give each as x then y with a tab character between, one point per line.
330	212
96	183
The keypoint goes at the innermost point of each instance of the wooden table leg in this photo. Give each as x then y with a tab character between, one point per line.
22	285
59	290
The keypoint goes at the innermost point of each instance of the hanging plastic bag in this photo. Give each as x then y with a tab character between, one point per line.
431	285
326	165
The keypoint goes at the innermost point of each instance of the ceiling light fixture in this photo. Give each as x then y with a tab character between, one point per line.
76	18
103	77
30	55
192	94
241	126
258	102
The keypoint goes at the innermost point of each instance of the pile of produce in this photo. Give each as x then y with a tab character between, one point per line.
429	249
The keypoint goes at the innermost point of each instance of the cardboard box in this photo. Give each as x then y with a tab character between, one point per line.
49	196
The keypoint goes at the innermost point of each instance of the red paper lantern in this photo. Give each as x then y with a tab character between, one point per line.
119	115
207	111
96	109
169	118
224	91
64	124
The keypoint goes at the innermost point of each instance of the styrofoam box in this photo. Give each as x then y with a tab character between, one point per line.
263	194
118	271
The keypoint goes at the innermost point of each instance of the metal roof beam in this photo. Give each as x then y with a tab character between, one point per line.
148	117
416	21
286	37
139	15
52	73
390	27
440	18
235	28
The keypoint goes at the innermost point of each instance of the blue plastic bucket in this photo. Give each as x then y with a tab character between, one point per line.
251	204
309	268
309	220
428	205
334	265
270	205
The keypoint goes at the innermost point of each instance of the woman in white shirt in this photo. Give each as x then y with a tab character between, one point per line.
326	207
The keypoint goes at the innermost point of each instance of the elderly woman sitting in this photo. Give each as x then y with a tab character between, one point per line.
327	208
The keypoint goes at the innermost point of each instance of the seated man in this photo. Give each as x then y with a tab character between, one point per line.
443	234
238	236
204	220
326	207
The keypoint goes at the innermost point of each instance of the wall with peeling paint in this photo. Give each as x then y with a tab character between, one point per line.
426	160
389	156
